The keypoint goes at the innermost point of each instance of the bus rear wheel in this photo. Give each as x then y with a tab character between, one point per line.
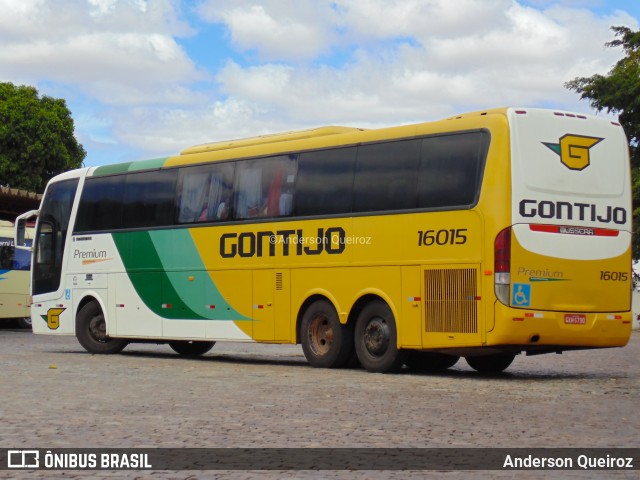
494	363
326	342
191	349
430	361
376	339
91	331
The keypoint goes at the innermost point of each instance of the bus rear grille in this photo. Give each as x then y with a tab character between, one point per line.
451	300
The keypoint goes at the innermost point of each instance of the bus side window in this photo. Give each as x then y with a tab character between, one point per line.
325	181
101	204
22	258
149	198
386	176
6	254
450	169
264	187
205	193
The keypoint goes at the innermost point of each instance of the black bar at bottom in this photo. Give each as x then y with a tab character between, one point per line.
321	459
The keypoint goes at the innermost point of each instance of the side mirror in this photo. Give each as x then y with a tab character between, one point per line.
20	236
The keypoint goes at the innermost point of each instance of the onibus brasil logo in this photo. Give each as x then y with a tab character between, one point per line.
574	150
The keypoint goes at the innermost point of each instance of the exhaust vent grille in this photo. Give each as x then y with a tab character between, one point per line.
451	300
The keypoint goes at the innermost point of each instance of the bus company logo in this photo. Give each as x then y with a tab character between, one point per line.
574	150
53	317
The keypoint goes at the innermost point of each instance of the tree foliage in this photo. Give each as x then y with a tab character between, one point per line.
618	92
37	138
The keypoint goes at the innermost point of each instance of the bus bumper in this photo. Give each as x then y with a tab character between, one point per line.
533	328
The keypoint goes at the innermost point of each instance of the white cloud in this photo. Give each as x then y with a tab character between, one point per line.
292	30
117	51
412	61
514	55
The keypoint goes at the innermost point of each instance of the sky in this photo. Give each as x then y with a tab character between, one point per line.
148	78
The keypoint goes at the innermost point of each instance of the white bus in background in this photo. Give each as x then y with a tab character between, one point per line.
14	277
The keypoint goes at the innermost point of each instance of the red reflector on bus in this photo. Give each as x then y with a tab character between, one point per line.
166	305
569	230
521	112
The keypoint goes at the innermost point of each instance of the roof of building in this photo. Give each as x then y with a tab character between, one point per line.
14	201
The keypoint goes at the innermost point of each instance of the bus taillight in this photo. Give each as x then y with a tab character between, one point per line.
502	265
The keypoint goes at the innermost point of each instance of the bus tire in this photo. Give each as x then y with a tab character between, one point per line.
430	361
376	339
91	331
24	323
326	342
189	348
493	363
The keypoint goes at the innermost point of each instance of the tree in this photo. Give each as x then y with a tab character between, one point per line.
36	138
618	92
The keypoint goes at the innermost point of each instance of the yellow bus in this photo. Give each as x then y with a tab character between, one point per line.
484	235
14	277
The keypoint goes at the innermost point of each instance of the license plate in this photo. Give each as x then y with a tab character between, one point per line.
575	319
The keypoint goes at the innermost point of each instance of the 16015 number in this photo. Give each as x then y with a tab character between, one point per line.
453	236
614	276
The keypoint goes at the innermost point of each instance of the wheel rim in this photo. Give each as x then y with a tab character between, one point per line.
320	335
98	329
376	336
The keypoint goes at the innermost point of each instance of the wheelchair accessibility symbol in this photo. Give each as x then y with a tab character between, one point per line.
521	294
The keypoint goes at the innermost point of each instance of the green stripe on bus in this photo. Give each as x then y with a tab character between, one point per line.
147	275
111	169
188	276
147	164
130	167
169	276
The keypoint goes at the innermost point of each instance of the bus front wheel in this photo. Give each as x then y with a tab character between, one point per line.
494	363
91	331
191	349
326	342
376	339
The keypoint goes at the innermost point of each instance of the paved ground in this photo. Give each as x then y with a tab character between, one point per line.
54	395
